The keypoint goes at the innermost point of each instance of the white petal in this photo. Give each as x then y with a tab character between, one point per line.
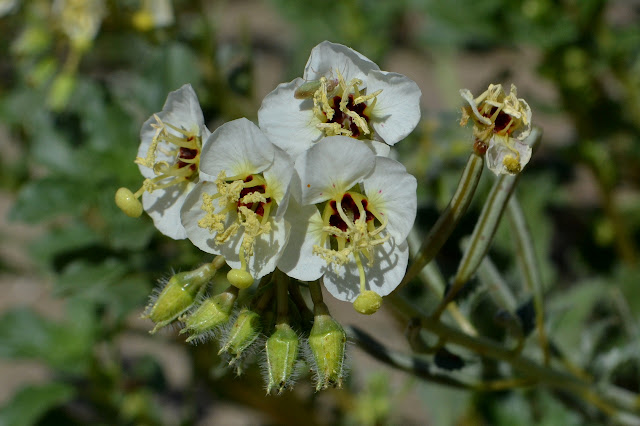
498	150
390	265
397	111
267	249
182	110
467	96
380	149
327	58
192	212
278	177
298	260
289	123
392	191
525	130
163	205
332	166
237	147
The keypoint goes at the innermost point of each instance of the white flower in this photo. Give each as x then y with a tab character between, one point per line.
171	142
239	213
341	93
356	212
501	124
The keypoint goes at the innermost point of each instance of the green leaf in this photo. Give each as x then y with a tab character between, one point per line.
89	280
48	198
64	346
31	402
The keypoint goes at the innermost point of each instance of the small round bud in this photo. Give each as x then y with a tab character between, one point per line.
240	278
180	293
367	302
244	331
327	342
128	203
282	353
212	313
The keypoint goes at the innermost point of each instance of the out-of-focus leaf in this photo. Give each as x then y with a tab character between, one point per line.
569	311
64	346
61	241
47	198
104	283
32	402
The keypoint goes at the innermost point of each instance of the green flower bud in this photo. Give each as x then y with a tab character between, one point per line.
367	302
212	313
244	331
180	293
327	342
282	353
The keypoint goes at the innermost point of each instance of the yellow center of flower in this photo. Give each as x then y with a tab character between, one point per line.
184	146
249	200
506	115
353	228
341	107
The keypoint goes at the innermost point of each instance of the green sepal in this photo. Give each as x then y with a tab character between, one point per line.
180	293
327	342
282	353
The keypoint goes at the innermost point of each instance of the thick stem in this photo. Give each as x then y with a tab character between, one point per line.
449	218
319	307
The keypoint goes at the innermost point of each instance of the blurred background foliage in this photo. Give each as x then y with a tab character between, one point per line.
79	77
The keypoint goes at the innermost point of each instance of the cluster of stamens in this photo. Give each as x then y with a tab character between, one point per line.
248	197
502	115
342	107
184	146
353	228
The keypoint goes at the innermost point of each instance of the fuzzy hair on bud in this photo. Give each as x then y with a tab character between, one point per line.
327	342
214	312
178	295
243	333
281	351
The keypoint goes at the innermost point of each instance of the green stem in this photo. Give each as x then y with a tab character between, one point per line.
609	399
319	307
529	267
449	218
481	237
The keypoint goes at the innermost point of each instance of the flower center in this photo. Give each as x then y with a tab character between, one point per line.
242	202
342	108
353	228
183	145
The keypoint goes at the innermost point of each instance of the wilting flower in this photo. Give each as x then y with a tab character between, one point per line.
356	212
171	142
79	19
501	123
341	93
239	212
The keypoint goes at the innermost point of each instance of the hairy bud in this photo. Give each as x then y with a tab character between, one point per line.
244	331
327	342
212	313
282	353
178	295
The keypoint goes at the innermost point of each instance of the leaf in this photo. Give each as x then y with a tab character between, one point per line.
64	346
31	402
48	198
